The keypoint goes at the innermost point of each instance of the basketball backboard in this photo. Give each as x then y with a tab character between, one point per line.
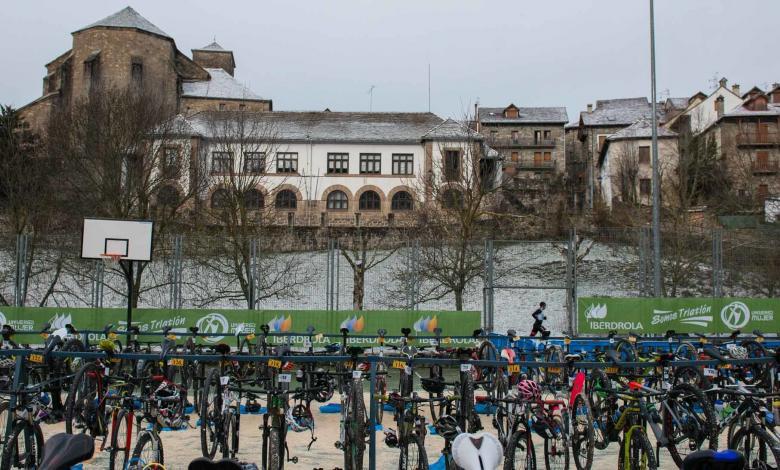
129	239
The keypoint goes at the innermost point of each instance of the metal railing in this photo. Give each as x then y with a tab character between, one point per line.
506	142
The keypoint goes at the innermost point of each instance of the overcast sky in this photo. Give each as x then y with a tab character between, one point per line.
309	55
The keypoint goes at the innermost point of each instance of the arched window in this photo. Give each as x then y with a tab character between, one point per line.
402	201
220	199
253	199
337	201
168	196
370	201
286	199
452	199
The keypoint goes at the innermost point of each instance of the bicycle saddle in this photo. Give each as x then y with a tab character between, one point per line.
194	329
573	357
477	451
63	450
202	463
713	352
712	460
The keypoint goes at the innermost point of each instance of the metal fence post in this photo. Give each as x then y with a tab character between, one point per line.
98	275
372	421
487	291
571	303
717	262
20	280
176	273
251	272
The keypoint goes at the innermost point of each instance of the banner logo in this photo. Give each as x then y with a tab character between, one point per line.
212	323
735	315
280	324
596	312
426	324
59	320
354	324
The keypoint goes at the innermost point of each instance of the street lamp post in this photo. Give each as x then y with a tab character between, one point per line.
656	172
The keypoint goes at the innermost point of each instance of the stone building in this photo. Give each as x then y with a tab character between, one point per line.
625	165
531	143
327	169
125	50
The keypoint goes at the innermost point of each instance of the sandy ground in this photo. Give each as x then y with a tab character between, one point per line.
180	447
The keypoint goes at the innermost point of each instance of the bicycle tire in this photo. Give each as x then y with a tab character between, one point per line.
275	447
639	451
210	415
689	375
380	390
230	450
354	435
601	407
4	415
755	374
469	420
756	453
550	376
33	450
520	452
582	435
120	445
683	401
487	374
82	395
148	440
413	455
557	446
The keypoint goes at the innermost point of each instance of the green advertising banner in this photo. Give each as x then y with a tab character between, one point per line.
683	315
422	323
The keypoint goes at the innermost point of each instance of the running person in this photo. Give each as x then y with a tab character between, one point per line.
539	317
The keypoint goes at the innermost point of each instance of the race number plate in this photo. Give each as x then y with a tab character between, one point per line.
611	370
285	378
176	362
274	363
513	368
37	358
408	370
554	370
567	340
356	374
250	336
399	364
112	335
224	380
710	372
306	343
446	340
465	367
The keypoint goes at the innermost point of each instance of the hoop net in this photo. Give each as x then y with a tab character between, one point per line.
111	260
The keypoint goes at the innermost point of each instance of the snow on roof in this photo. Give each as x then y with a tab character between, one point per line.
127	18
221	85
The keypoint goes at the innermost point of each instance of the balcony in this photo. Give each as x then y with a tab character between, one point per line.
765	167
758	139
535	165
520	143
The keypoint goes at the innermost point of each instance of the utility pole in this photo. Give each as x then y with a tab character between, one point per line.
656	172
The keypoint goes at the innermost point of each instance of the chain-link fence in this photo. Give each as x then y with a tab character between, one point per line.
504	279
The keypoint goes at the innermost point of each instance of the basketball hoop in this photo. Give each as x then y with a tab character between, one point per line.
111	260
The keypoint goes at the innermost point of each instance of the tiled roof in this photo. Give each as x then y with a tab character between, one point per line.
553	115
678	103
772	109
619	112
642	129
319	126
451	130
127	18
222	85
213	47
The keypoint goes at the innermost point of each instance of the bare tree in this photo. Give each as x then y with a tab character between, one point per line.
248	250
122	157
364	250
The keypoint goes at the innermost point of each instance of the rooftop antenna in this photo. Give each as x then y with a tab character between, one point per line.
714	82
371	98
429	87
665	94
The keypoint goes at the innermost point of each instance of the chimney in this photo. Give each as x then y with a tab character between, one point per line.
476	115
719	106
723	82
775	85
735	88
590	107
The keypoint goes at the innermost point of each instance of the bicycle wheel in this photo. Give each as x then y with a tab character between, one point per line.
689	422
637	453
487	374
582	435
275	446
211	418
230	450
380	391
148	450
120	440
355	432
554	376
24	448
469	420
760	448
601	406
520	452
413	456
556	448
81	406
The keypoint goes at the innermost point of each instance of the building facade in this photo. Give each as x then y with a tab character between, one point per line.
126	51
332	169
